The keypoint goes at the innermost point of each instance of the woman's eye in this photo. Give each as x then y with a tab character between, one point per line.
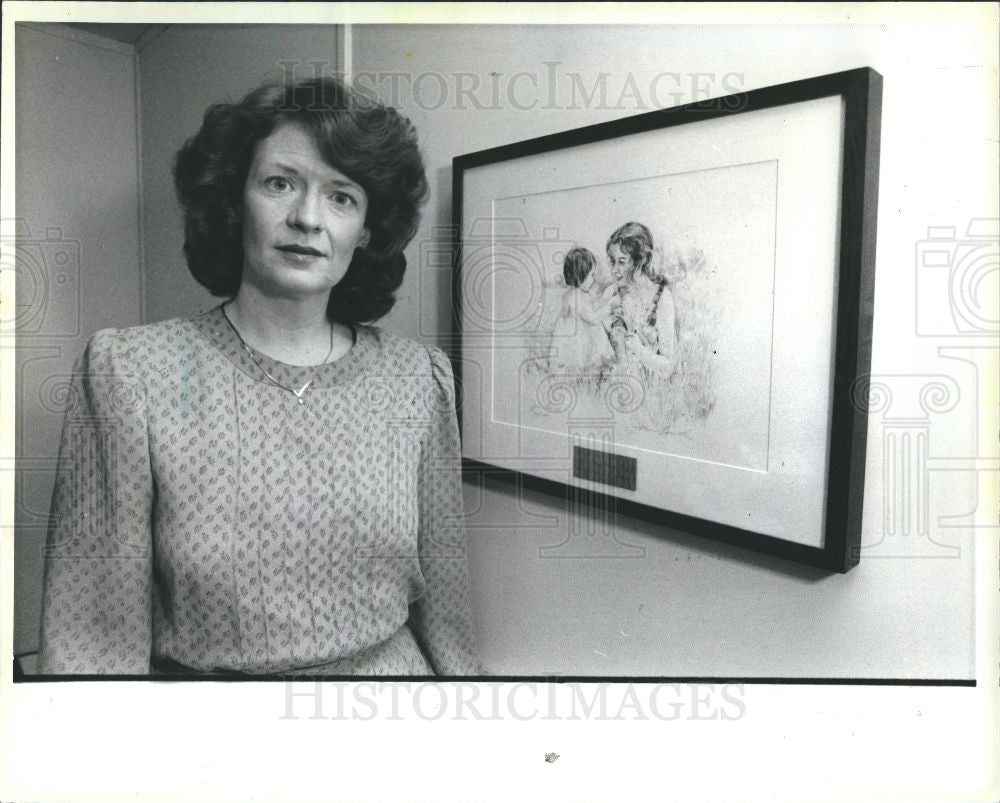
343	199
277	183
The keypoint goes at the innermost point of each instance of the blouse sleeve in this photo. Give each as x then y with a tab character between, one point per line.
442	618
96	591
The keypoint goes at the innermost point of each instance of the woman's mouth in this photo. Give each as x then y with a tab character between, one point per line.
299	251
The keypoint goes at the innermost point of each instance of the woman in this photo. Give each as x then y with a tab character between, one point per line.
273	486
643	326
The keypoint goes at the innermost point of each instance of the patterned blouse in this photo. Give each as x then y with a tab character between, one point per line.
205	520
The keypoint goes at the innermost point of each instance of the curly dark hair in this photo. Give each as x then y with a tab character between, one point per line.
371	144
577	265
635	240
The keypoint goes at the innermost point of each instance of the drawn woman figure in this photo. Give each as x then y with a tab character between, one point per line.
643	320
579	345
643	325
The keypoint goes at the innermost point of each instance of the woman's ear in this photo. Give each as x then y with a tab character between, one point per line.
364	239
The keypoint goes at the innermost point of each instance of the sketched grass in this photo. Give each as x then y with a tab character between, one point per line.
697	319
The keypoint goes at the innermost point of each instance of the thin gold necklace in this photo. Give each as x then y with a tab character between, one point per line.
297	393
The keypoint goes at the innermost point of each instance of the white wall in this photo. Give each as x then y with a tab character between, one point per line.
665	603
78	268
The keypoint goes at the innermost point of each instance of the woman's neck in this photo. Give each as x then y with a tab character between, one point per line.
295	331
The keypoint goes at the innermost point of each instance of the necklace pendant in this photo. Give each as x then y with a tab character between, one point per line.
297	393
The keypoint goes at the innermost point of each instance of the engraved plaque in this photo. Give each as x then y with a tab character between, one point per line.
603	467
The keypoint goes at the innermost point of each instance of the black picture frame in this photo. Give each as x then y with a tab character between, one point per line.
861	93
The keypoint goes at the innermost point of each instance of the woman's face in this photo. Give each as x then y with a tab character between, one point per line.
621	262
302	218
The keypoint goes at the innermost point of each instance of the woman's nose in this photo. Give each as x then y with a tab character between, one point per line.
304	213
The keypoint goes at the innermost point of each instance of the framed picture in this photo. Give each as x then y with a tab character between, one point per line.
670	314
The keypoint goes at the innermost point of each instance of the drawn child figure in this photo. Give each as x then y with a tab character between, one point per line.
579	345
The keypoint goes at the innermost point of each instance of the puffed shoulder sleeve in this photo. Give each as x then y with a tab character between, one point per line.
96	600
442	618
